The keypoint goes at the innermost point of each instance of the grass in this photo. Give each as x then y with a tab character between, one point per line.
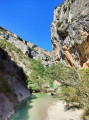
13	51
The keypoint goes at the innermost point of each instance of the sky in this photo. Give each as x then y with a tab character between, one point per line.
29	19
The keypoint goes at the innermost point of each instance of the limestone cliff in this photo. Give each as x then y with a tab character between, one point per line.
70	33
28	48
13	88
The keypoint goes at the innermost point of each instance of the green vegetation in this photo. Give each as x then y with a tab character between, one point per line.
86	4
72	1
55	7
72	19
15	53
17	57
35	82
49	57
59	24
57	17
58	11
64	9
75	86
69	6
66	20
61	4
19	38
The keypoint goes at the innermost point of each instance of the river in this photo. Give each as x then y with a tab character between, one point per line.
34	108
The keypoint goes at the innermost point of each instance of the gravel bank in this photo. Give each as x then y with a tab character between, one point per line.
57	112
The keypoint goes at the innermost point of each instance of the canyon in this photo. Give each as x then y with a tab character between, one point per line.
70	44
15	69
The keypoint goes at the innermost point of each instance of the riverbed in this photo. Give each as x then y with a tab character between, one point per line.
34	108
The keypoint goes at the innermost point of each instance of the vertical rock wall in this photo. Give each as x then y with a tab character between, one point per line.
70	33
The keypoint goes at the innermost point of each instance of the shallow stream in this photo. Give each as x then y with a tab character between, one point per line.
34	108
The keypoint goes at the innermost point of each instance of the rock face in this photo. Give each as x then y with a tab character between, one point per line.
70	33
27	48
13	88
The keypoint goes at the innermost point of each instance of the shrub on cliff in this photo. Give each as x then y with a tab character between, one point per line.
72	1
59	24
65	9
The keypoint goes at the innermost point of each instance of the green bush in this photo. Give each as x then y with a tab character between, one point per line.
11	49
69	6
70	94
86	114
72	19
72	1
58	11
65	9
55	7
61	4
66	20
59	24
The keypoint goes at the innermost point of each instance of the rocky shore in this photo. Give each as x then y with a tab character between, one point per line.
58	112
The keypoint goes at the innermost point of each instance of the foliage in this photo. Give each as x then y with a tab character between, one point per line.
58	11
75	84
70	94
72	19
64	9
55	7
69	6
66	20
61	4
59	24
86	114
13	51
77	89
36	77
72	1
41	77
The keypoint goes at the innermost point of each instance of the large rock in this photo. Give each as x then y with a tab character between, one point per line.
70	33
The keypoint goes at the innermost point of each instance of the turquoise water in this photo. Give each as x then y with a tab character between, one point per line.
34	108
